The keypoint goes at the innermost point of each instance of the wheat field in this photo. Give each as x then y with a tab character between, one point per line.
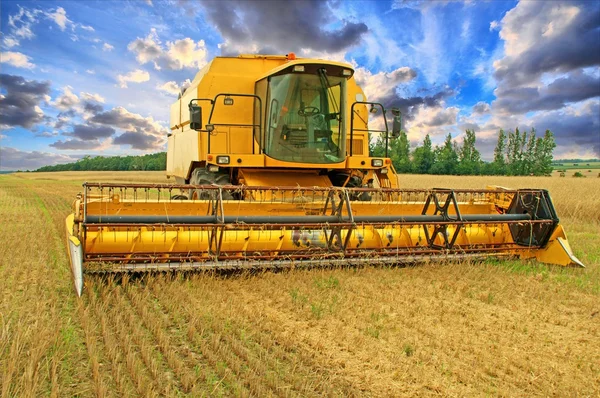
459	329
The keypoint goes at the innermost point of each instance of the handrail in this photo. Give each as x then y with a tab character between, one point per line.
236	125
383	111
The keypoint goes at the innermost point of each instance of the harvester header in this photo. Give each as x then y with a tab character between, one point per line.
279	175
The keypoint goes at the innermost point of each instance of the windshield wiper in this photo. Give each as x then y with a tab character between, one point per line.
327	86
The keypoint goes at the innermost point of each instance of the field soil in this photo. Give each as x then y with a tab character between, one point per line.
500	328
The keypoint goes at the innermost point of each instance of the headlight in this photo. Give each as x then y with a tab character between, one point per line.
377	162
222	159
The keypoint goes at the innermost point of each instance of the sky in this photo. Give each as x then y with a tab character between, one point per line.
98	77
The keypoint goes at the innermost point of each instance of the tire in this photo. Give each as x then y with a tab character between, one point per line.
201	176
339	178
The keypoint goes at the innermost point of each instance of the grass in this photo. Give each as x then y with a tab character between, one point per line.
505	328
577	165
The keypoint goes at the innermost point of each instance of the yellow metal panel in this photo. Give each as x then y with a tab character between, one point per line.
183	149
361	162
175	115
306	61
171	155
283	178
241	160
558	250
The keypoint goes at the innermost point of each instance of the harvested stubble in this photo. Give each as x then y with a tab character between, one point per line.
500	328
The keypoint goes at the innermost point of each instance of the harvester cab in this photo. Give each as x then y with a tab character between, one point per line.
270	155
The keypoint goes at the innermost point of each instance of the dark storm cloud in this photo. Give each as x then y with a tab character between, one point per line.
282	25
481	108
137	140
575	87
469	126
140	133
408	106
18	105
90	133
582	129
577	45
76	144
444	117
121	118
91	107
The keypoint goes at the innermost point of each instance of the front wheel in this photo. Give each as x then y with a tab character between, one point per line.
201	176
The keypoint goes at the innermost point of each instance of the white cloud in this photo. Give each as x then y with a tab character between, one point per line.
381	47
90	71
550	21
16	59
382	84
91	97
59	16
47	134
136	76
169	87
176	55
67	100
186	53
107	47
173	88
20	27
435	121
10	42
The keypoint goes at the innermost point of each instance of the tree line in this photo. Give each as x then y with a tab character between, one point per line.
155	161
516	153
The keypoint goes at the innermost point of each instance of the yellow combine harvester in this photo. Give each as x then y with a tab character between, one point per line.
270	155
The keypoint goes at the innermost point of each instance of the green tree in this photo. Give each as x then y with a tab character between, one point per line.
156	161
469	158
530	152
498	166
516	141
446	158
400	153
423	157
544	150
377	149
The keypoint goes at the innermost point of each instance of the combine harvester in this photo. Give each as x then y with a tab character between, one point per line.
270	155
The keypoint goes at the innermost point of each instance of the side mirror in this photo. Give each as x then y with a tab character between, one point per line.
195	117
397	124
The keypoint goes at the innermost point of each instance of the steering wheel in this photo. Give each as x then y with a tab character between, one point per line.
309	111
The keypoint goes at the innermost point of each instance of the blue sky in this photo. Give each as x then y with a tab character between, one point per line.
98	77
